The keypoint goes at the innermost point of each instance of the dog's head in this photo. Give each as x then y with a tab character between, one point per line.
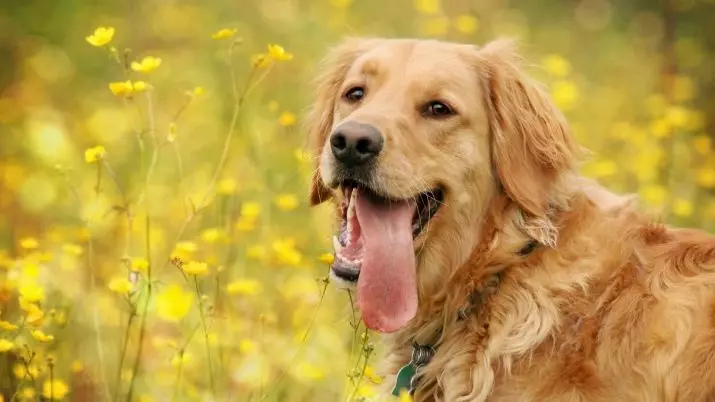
413	138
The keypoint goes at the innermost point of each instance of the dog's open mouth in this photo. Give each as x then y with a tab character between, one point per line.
375	248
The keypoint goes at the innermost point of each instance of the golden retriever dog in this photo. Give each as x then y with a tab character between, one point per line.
494	271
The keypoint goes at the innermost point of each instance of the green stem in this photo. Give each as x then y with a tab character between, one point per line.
206	337
125	343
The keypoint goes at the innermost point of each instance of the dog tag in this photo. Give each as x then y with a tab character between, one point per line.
404	378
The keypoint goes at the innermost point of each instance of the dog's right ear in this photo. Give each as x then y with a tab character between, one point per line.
319	121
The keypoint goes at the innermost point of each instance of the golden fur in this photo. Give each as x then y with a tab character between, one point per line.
610	307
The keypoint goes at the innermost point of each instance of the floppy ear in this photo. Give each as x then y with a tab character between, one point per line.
319	120
531	143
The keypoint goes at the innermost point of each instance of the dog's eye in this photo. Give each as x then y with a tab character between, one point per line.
354	94
437	109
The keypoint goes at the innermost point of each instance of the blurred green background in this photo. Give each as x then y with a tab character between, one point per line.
199	161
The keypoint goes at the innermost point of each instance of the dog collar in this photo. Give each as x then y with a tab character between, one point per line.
409	375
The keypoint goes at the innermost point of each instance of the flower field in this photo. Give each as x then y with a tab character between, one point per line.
156	242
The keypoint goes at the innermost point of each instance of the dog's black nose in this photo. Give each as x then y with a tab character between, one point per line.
354	144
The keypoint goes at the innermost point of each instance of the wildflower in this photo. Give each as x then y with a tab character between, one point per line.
6	346
77	366
678	116
33	314
55	390
29	243
121	88
706	177
247	287
287	202
7	326
140	265
682	208
251	209
140	86
227	186
101	36
287	119
32	292
276	52
22	372
286	252
256	252
197	91
72	249
172	304
247	346
224	33
307	371
371	375
184	250
121	286
428	7
41	336
94	154
196	268
28	393
245	224
556	65
565	94
326	258
405	396
212	235
466	24
146	65
654	194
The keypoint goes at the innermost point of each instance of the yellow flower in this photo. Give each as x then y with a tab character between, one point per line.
6	346
678	116
181	359
405	396
256	252
248	287
34	316
706	177
196	268
213	235
72	249
565	94
245	224
251	209
309	372
94	154
121	286
77	366
140	265
276	52
227	186
32	292
140	86
682	208
7	326
55	390
654	194
260	60
197	91
146	65
184	250
28	393
371	375
121	88
172	304
41	336
23	372
224	33
101	36
287	202
287	119
286	252
326	258
428	7
29	243
702	144
556	65
466	24
247	346
660	128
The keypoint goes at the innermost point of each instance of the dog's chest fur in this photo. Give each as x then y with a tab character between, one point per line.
608	319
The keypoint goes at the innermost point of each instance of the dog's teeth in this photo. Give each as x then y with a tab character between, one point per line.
336	245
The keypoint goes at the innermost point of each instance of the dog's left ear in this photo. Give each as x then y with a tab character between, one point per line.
531	143
319	121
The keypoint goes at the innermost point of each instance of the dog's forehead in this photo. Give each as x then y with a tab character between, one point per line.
414	57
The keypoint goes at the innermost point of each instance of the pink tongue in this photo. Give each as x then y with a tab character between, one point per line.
387	287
